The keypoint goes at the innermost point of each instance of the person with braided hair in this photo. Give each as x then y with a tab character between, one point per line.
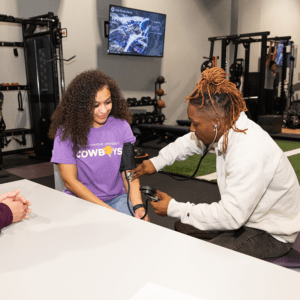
259	210
90	127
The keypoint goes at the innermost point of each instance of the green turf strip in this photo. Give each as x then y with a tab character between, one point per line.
208	164
287	146
295	161
188	166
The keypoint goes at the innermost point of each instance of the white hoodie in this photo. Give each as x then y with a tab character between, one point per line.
257	183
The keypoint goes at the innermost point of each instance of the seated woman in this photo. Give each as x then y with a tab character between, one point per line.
89	128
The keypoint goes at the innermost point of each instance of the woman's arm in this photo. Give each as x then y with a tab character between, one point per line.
275	51
135	196
69	175
269	54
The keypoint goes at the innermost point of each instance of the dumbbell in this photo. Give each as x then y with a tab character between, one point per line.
131	101
155	116
161	118
160	92
150	102
149	118
139	102
136	120
145	100
143	118
160	79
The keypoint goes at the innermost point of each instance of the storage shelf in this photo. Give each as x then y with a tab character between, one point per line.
14	87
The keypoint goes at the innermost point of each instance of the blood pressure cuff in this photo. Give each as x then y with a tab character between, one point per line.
127	160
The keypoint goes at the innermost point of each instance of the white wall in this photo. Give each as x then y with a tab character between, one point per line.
188	26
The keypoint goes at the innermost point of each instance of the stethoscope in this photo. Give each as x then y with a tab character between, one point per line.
150	192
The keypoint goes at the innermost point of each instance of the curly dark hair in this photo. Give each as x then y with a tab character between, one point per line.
74	115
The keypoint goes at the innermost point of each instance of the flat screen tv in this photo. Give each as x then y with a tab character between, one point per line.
279	55
136	32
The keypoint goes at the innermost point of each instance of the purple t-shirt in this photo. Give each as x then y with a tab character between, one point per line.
98	167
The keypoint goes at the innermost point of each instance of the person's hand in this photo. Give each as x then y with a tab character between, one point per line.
271	42
145	168
139	213
9	195
161	207
22	199
18	209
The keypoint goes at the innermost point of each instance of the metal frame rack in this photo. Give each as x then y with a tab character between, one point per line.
42	44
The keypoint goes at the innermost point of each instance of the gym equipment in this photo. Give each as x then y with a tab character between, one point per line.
3	140
160	79
209	63
132	101
20	101
149	118
143	118
166	133
136	120
270	123
145	100
161	118
42	52
206	64
156	117
292	118
245	39
184	122
160	92
161	103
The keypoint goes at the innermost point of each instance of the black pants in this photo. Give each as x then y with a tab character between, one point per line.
250	241
269	101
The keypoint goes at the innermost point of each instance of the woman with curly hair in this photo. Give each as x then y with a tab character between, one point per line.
89	128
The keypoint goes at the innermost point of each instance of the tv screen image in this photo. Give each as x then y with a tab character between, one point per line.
279	55
136	32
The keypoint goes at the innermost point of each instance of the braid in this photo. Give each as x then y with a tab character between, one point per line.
215	90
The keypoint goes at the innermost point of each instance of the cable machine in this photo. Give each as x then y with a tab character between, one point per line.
246	39
42	44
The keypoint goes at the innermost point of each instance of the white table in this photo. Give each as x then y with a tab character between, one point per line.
73	249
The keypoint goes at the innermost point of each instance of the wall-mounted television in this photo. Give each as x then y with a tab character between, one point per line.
136	32
279	54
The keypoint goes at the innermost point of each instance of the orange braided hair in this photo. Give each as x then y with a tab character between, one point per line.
212	87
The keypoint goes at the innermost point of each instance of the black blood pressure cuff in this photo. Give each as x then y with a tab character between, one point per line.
127	160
